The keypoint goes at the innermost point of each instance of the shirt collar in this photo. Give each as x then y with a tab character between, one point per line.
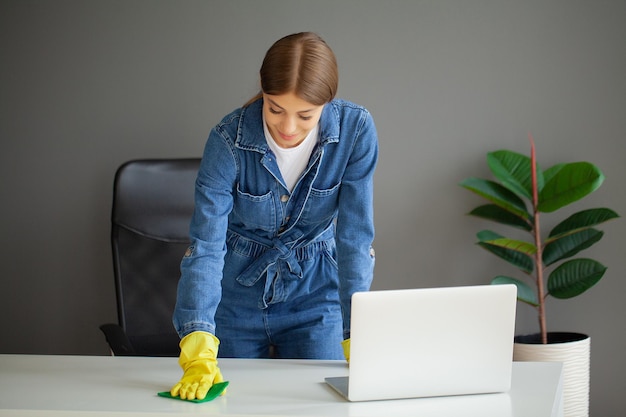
250	133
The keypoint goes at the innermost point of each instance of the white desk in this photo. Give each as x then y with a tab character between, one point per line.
32	385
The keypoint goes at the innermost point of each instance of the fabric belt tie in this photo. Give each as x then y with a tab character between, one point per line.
282	268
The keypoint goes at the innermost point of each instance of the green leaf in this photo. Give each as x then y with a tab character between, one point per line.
514	245
524	292
570	183
519	260
569	245
513	251
582	220
498	214
512	169
574	277
497	194
549	173
485	235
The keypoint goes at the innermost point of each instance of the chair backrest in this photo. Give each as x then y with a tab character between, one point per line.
152	207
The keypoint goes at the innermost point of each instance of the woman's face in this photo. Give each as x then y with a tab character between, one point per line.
289	118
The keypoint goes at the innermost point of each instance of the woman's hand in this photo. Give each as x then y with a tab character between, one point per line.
198	359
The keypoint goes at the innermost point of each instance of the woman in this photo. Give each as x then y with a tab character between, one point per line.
283	226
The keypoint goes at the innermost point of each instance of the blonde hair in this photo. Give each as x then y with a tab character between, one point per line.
301	63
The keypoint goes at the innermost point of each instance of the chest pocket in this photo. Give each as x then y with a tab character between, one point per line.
255	211
321	205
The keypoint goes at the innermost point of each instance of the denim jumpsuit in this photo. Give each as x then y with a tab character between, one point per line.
273	270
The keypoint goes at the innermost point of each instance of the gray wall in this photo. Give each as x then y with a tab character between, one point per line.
87	85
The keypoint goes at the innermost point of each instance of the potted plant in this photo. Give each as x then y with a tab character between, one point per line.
521	193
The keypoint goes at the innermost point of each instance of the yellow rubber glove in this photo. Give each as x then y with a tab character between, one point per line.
346	349
198	358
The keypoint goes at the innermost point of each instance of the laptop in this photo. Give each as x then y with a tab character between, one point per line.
430	342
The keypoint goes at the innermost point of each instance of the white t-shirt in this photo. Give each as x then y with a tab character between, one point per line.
292	161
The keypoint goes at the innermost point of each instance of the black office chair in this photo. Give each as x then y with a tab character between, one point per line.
153	201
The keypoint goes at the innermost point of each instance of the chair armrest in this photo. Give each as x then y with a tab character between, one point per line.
118	341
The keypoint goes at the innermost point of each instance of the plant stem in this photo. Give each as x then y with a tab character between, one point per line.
537	235
540	288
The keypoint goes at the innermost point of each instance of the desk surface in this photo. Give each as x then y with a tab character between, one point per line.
33	385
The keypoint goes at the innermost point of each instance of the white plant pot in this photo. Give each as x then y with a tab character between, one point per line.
573	350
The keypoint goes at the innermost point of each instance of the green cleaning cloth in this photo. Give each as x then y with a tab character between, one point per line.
213	393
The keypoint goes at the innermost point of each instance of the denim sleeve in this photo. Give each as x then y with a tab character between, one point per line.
355	221
199	287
